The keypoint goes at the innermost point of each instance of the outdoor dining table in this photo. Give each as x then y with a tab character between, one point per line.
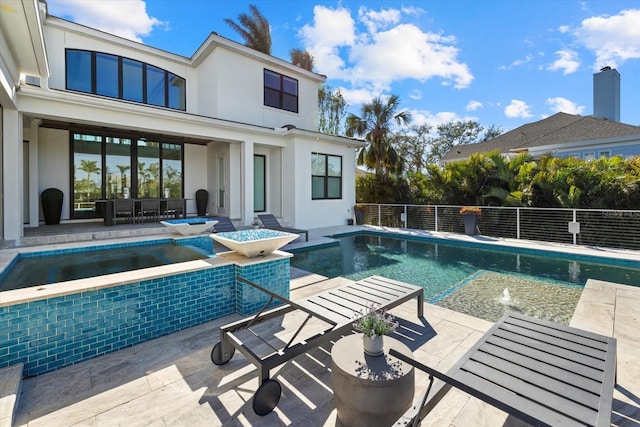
107	208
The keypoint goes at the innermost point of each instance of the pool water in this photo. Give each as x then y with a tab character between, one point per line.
466	278
40	270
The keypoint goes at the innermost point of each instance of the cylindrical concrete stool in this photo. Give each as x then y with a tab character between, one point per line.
370	390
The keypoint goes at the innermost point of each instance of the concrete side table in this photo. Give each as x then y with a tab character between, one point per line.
370	390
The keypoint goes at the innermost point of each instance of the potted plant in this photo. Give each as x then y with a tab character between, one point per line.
359	211
374	323
470	215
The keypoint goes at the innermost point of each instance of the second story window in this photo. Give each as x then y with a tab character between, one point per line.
280	91
124	78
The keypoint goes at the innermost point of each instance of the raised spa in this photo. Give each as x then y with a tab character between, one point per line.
189	226
253	243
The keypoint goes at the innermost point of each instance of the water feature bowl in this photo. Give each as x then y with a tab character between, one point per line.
189	226
253	243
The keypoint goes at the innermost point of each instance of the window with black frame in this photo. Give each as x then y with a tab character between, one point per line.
326	176
123	78
280	91
113	167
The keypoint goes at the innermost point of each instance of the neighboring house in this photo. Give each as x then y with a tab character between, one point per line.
568	135
98	116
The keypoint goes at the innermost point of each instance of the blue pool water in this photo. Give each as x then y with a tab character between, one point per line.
48	267
442	267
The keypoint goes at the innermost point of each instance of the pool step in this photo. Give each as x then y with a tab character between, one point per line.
10	386
457	286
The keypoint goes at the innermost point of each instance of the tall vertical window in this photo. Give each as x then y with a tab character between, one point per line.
132	89
107	75
171	170
118	167
280	91
156	85
259	183
326	176
177	91
148	169
124	78
79	71
87	174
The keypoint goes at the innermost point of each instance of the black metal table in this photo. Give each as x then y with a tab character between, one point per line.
541	372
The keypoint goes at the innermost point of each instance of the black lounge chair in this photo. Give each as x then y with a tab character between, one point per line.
336	307
270	222
224	224
540	372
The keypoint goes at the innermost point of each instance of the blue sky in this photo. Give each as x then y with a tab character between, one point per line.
502	62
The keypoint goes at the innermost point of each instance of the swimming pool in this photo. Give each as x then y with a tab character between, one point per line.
46	267
467	278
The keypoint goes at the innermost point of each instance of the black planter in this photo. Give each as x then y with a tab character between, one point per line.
202	198
51	200
359	216
349	221
470	224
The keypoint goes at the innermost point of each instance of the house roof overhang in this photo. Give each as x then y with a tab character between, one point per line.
22	49
22	32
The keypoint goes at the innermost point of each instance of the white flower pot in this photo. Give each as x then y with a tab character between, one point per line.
372	346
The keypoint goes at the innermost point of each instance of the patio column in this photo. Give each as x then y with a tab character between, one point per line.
247	182
12	194
34	196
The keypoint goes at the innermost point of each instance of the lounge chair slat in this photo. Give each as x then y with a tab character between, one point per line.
538	413
345	309
555	336
355	302
481	376
564	375
563	390
516	318
545	357
578	356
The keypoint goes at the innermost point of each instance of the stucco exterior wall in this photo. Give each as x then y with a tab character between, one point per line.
53	165
195	174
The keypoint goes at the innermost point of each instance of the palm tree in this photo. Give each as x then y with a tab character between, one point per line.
89	167
254	29
123	175
374	124
301	58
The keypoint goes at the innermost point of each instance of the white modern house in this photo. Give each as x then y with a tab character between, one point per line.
101	117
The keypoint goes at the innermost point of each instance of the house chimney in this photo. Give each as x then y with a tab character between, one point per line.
606	94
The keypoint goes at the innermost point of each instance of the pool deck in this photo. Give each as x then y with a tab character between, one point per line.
170	381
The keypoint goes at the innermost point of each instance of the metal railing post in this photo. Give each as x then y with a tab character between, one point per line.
379	215
435	220
405	216
518	223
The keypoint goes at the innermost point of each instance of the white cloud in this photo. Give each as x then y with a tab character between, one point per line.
564	29
474	105
379	49
528	58
613	39
376	20
423	117
332	29
125	18
517	109
559	104
567	62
